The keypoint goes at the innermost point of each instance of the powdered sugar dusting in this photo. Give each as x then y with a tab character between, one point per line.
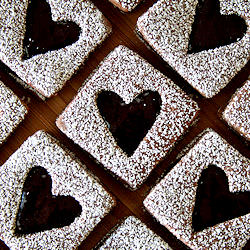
166	27
12	112
69	177
126	5
128	75
47	73
133	234
237	112
172	200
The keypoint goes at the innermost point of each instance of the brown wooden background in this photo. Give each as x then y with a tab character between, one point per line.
42	115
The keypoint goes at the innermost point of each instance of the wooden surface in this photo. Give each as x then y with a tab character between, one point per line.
42	115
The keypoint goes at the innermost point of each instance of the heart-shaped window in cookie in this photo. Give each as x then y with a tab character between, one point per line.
211	29
43	34
39	210
129	123
214	202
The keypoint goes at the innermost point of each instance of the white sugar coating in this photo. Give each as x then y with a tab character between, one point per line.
128	75
47	73
237	112
166	26
126	5
133	234
69	178
172	201
12	112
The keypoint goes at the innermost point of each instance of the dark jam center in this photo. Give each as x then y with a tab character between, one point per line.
39	210
214	202
211	29
43	34
129	123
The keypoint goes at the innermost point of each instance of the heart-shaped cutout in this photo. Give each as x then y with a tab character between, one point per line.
43	34
39	210
211	29
214	202
129	123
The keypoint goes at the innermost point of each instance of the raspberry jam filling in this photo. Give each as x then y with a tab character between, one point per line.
43	34
39	210
214	202
129	123
211	29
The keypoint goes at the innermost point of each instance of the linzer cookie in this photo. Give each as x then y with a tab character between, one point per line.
237	112
128	116
205	199
45	42
12	112
48	198
133	234
206	42
125	5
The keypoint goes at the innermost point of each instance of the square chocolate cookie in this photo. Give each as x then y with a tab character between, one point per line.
133	234
237	112
205	199
205	41
128	116
45	42
12	112
48	199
